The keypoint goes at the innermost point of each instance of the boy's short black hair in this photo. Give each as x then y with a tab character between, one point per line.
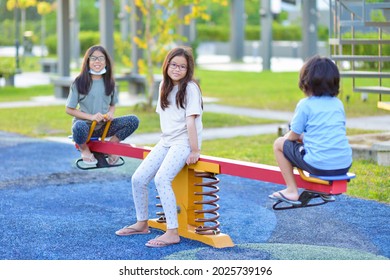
319	76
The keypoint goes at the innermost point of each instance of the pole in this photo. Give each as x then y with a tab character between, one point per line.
237	30
106	25
266	33
124	20
309	28
17	35
74	29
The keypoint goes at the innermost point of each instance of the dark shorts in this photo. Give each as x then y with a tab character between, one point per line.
294	152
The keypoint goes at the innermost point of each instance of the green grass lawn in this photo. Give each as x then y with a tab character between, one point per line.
53	121
264	90
278	91
10	94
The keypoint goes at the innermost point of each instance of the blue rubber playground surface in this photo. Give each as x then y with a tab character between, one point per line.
50	210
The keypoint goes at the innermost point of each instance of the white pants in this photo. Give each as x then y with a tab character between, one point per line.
163	163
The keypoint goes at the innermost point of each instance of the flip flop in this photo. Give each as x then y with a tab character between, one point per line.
129	230
160	244
328	197
91	160
112	160
285	199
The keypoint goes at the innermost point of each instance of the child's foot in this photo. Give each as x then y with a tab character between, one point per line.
131	230
163	241
281	197
286	195
328	197
89	159
112	159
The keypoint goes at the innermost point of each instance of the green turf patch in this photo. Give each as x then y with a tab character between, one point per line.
275	251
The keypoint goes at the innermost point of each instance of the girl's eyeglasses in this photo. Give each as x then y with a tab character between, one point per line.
181	67
95	58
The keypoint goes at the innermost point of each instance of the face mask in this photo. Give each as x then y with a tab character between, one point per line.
101	72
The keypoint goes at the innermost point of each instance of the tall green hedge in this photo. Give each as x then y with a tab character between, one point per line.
90	38
253	32
87	39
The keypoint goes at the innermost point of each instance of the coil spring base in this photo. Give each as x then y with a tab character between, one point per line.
194	221
212	213
209	213
160	214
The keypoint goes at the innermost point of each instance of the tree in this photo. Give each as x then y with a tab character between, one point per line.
43	9
161	21
22	5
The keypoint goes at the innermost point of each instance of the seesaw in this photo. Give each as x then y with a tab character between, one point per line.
197	203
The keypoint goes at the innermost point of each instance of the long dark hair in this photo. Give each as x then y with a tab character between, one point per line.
168	85
84	80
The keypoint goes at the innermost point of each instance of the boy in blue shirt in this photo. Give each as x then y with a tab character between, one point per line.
317	141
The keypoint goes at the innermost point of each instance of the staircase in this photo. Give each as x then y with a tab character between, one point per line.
350	22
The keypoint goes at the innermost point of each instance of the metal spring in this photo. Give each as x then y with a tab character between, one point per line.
213	207
161	214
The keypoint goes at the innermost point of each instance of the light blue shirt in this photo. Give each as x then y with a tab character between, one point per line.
322	121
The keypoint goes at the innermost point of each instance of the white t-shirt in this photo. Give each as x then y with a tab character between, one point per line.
173	119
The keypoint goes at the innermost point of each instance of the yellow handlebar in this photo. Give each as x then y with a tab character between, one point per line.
93	125
105	130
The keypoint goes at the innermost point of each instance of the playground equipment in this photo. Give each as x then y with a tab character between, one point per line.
101	158
351	24
197	203
323	190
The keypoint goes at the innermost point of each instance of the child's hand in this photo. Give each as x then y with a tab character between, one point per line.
193	157
109	116
98	117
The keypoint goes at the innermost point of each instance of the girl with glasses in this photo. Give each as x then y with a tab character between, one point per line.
92	97
180	108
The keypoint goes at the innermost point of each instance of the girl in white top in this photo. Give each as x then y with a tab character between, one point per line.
180	108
